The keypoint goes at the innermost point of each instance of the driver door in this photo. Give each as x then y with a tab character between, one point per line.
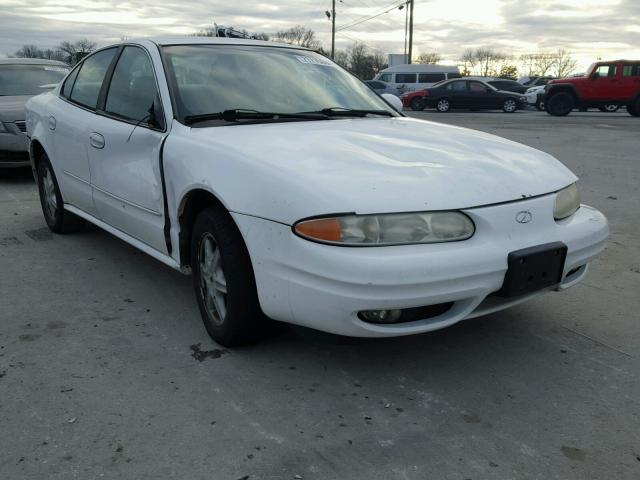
605	84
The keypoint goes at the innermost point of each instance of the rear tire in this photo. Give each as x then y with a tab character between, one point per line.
57	218
224	282
560	104
609	108
417	104
443	105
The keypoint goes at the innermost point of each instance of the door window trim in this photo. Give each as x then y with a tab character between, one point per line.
102	95
79	67
106	85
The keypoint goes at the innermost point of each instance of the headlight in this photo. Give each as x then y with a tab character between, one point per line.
387	229
3	129
567	202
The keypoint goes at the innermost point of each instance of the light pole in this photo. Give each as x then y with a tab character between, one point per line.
411	2
333	29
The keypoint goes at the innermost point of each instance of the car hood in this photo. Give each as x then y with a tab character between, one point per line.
378	165
12	108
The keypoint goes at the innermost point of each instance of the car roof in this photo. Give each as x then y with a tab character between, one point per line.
31	61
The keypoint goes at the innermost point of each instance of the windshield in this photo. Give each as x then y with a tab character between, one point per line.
215	78
29	79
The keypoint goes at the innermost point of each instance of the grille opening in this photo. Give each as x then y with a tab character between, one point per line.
22	126
405	315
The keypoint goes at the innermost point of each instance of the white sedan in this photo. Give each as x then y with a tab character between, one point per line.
292	192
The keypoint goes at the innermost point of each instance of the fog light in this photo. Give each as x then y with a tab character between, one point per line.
380	316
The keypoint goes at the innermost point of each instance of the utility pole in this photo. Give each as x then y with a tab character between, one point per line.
333	29
411	2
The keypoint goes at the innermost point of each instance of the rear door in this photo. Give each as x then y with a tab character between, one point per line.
458	93
124	156
69	119
630	81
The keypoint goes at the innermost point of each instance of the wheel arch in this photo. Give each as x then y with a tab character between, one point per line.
36	150
564	88
192	203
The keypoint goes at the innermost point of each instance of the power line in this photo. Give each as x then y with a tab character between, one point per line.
366	19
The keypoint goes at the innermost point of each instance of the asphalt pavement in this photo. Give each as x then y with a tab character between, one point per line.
106	370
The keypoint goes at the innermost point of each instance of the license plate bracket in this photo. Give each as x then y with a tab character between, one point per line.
533	269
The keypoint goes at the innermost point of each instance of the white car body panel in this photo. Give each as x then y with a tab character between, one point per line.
271	175
290	171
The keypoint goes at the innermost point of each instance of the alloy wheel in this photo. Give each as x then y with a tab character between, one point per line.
510	106
443	105
49	192
213	283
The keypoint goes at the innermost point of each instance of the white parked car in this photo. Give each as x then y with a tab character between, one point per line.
535	97
291	191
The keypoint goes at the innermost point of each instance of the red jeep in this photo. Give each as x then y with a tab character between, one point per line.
616	82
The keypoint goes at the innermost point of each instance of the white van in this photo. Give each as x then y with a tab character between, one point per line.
406	78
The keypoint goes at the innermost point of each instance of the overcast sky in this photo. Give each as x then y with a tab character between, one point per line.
589	28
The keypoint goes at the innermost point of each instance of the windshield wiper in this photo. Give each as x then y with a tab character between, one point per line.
352	112
243	114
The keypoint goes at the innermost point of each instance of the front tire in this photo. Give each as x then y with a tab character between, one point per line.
443	105
223	280
57	218
560	104
417	104
634	108
509	105
540	104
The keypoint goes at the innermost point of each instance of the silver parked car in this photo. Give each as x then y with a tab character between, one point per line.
382	87
21	79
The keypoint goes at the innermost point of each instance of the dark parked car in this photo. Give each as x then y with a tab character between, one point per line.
508	85
471	94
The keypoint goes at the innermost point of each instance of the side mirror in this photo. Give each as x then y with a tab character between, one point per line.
393	100
594	75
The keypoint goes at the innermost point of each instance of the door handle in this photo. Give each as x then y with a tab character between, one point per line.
96	140
52	123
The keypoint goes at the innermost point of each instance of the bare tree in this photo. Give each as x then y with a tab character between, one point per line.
365	63
564	64
469	62
429	58
74	52
33	51
299	35
539	63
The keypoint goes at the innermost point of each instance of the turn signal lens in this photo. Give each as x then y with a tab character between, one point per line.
388	229
567	202
324	229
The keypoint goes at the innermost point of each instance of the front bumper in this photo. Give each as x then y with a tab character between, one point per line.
14	147
323	287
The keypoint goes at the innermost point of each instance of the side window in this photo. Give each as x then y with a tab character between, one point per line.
405	78
457	86
68	84
453	75
89	80
385	77
607	70
631	71
477	87
430	77
133	89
